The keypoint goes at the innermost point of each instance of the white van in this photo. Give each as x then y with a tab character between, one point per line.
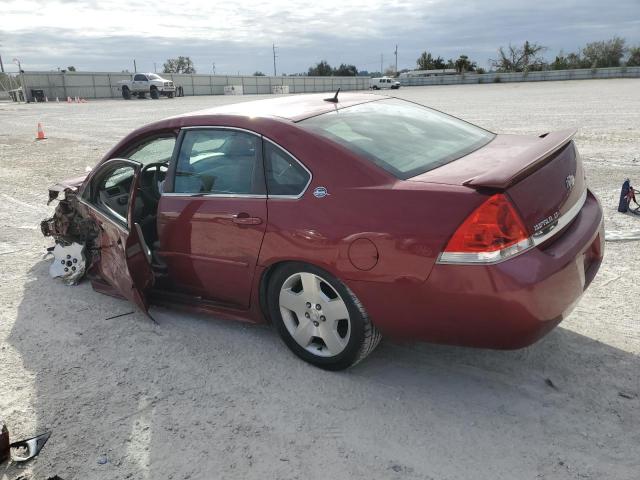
383	82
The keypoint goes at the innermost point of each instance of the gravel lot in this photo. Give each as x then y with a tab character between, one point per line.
200	398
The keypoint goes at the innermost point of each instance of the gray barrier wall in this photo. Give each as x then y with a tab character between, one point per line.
105	85
546	75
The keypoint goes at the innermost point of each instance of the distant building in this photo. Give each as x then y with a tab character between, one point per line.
429	73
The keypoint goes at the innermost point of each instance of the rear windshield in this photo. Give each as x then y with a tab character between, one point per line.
404	138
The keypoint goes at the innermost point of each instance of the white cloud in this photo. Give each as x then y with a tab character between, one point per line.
237	35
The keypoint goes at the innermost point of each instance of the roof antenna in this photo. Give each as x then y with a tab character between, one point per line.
333	99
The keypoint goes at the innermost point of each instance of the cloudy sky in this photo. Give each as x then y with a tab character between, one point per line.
237	35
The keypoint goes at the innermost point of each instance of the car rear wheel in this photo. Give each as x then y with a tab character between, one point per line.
319	318
126	93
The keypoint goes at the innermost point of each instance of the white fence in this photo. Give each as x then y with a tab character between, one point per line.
105	85
546	75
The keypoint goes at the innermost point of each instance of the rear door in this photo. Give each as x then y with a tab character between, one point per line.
125	259
213	214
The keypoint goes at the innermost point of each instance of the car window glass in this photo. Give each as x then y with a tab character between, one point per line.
285	176
110	192
157	150
217	162
140	77
415	139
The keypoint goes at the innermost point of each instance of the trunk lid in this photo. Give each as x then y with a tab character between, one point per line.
543	175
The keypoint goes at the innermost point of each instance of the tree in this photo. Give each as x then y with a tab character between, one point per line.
258	74
390	71
322	69
607	53
520	59
179	65
463	64
345	70
570	61
426	62
439	64
634	57
71	68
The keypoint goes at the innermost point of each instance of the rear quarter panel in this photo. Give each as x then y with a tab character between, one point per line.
408	222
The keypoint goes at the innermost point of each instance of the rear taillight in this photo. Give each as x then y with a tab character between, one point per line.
493	232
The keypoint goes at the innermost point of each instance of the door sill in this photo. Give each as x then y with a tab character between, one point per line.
195	304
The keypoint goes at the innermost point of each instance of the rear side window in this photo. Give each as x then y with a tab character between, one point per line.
285	176
140	78
404	138
219	162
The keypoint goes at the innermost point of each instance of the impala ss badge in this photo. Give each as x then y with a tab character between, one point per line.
320	192
570	181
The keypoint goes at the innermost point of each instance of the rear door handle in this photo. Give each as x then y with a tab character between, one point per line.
245	219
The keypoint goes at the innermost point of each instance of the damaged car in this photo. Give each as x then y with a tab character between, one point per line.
302	212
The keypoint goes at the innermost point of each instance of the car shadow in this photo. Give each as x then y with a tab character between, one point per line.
195	397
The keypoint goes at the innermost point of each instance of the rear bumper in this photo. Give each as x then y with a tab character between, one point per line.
505	306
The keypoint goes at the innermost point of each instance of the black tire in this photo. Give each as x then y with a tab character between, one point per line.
126	93
363	338
155	94
170	95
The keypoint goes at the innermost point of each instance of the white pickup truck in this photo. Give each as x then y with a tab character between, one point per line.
143	83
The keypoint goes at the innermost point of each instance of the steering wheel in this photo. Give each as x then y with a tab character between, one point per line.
153	191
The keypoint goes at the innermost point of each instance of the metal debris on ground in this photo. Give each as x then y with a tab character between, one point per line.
4	442
27	449
68	263
120	315
630	396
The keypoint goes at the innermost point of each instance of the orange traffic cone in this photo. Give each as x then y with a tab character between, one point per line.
40	132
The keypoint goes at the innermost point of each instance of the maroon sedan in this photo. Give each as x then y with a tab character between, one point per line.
338	221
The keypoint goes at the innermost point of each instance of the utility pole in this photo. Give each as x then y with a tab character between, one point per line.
381	61
396	54
213	67
274	60
135	69
1	64
154	68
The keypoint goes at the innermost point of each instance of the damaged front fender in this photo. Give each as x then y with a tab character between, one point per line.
75	234
68	225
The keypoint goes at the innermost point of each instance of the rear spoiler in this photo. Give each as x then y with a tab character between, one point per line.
531	159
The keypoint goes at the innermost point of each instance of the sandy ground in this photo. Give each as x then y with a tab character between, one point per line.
202	398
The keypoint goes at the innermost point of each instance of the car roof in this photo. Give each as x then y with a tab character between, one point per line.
293	107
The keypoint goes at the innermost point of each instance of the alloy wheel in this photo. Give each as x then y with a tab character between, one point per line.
315	314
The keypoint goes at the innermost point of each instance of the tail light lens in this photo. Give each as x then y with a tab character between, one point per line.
493	232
